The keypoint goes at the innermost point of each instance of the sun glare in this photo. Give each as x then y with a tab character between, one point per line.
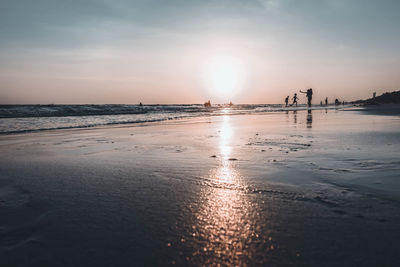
224	76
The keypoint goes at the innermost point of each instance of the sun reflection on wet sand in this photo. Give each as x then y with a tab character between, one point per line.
226	134
224	221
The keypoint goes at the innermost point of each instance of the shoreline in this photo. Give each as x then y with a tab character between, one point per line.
226	112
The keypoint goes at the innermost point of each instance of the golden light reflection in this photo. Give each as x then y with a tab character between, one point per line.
224	173
225	111
226	133
224	221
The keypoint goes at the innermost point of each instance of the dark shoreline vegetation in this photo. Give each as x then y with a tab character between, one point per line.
385	104
385	98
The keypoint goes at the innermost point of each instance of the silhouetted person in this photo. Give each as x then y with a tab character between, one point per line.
295	99
321	103
326	101
337	102
287	101
374	95
309	96
141	104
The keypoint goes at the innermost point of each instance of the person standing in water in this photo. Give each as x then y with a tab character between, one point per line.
295	99
287	101
326	101
309	96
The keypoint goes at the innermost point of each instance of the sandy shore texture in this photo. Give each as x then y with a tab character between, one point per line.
318	188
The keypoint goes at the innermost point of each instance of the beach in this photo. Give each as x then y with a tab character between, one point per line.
288	188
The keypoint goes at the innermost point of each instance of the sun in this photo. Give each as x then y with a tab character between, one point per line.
224	76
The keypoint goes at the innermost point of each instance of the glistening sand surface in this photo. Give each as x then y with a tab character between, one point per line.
296	188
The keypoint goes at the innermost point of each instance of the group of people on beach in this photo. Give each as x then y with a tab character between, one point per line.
308	93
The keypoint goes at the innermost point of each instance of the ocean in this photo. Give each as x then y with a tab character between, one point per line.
29	118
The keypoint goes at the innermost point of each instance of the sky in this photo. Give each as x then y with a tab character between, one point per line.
185	51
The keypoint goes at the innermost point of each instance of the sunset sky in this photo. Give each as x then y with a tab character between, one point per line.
181	51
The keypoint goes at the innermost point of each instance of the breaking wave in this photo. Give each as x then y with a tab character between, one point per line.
29	118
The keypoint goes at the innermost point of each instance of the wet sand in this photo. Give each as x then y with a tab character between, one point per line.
302	188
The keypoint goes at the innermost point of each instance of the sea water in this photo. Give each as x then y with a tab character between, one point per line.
27	118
